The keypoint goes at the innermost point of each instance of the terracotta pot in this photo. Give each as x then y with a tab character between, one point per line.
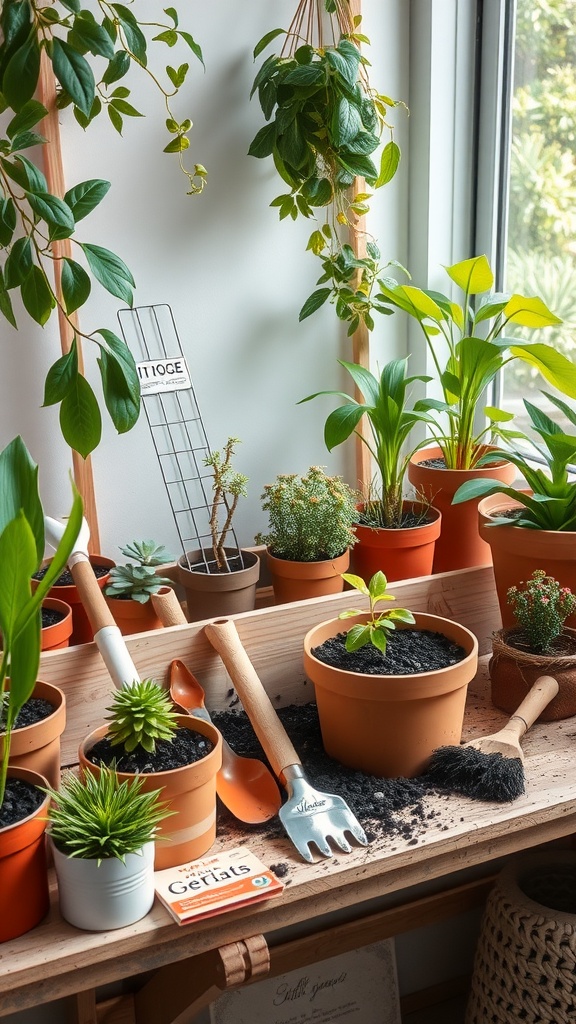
390	725
400	554
299	581
82	632
517	551
513	672
110	894
24	899
459	545
190	791
58	635
132	617
211	595
37	747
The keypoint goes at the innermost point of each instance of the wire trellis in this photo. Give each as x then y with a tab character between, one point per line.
176	427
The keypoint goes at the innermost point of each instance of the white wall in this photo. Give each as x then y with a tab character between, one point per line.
234	276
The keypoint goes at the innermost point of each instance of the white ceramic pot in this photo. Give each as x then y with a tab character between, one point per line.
99	897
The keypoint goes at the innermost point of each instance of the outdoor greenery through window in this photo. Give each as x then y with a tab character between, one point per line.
541	243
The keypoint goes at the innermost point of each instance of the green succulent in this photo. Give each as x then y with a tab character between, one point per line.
141	714
147	552
139	581
97	817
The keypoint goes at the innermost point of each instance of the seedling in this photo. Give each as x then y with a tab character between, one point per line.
376	630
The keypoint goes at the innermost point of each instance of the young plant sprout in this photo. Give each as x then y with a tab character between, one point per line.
376	630
541	608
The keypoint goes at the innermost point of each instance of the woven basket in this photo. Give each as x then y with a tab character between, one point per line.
525	966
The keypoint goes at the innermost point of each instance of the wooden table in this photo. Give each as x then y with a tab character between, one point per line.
191	965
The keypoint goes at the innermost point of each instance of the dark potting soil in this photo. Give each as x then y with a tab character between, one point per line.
20	800
408	651
34	710
51	616
408	521
65	578
235	563
187	747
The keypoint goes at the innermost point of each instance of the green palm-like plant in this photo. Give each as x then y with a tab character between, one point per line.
140	715
97	816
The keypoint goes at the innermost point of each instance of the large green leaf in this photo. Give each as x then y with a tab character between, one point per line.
61	376
110	271
22	73
388	164
341	423
26	174
36	295
556	368
345	59
18	557
122	354
88	35
124	409
6	303
74	74
134	36
76	285
117	68
86	196
19	263
346	122
530	312
472	276
31	113
313	302
262	144
19	490
80	419
51	209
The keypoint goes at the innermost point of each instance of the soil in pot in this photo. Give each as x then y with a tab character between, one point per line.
187	747
34	710
51	616
409	651
20	800
65	578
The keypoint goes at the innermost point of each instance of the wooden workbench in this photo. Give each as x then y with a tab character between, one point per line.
190	965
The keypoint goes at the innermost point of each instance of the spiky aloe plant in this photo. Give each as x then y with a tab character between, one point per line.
97	817
140	715
139	581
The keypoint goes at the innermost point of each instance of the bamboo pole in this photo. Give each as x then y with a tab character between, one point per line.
54	172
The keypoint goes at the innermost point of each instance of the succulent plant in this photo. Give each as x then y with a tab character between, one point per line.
139	581
141	714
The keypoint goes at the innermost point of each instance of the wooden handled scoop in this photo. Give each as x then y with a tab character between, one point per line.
507	740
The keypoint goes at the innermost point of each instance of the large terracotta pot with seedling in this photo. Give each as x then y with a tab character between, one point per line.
102	832
176	754
220	580
23	804
537	644
394	535
471	332
130	587
311	530
392	687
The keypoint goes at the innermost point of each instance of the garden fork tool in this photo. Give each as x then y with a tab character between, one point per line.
309	816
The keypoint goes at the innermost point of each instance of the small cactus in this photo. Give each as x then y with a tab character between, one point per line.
140	715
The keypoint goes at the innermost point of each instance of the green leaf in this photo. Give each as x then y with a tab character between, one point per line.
19	263
110	271
117	68
86	196
134	36
346	122
555	367
22	73
379	638
7	221
31	113
88	35
377	586
388	164
25	174
51	209
122	354
36	296
341	423
6	303
80	419
194	46
169	36
263	142
76	285
173	14
472	276
345	59
25	140
358	636
357	582
125	108
305	75
61	376
19	561
74	74
177	145
124	409
317	299
359	166
530	312
19	490
115	119
266	40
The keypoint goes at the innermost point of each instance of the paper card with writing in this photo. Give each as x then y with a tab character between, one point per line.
360	987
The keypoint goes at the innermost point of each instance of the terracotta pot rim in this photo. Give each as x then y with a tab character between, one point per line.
249	556
184	721
492	502
435	521
435	452
40	782
303	561
56	697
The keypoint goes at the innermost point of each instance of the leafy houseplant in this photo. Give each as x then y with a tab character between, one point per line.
325	126
90	56
388	696
103	833
173	753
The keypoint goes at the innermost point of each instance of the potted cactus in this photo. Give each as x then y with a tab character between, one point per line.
130	586
170	752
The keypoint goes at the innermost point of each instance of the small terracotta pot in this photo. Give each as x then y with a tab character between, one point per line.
459	545
132	617
400	554
299	581
57	636
517	551
390	725
82	632
211	595
37	747
190	791
24	898
513	672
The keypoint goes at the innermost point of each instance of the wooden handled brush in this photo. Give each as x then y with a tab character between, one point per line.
491	767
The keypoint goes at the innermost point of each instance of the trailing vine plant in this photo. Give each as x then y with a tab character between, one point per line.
91	50
326	123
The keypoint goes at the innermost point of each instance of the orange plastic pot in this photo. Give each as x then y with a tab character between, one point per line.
58	635
132	617
190	791
517	551
390	725
82	632
24	898
459	545
400	554
299	581
37	747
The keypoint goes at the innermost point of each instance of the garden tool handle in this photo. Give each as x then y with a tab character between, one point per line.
538	697
93	600
223	636
168	607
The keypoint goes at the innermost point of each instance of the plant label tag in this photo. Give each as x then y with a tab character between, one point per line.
158	376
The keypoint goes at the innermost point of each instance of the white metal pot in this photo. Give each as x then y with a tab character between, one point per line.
99	897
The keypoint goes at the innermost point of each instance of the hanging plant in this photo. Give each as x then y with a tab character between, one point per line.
90	54
326	124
